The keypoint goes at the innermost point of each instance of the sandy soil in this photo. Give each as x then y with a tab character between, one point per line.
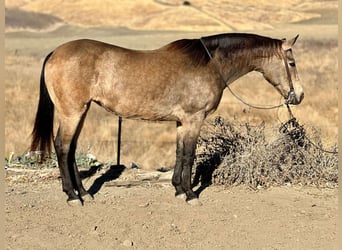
137	210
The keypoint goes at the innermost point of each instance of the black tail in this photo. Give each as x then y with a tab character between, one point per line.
42	133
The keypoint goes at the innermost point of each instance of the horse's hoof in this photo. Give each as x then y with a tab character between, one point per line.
181	196
194	202
87	198
74	202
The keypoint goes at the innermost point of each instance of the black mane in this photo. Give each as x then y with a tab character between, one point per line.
231	43
259	46
193	48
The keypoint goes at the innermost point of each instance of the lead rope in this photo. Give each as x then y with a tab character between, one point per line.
231	91
292	122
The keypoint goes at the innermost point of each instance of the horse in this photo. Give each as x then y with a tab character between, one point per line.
182	81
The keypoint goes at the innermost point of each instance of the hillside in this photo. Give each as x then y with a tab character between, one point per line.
17	19
195	15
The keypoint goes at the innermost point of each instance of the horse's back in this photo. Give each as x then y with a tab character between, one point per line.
85	46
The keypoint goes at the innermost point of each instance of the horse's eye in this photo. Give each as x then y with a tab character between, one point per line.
292	64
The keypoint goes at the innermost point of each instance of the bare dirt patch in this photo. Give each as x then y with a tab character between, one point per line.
147	216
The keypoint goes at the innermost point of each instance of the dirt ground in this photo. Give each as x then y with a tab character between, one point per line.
136	209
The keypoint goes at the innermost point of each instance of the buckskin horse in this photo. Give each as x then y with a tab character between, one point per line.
182	81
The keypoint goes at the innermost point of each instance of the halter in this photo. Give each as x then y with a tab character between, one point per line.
291	94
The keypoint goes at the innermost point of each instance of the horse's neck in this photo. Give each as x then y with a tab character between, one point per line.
232	70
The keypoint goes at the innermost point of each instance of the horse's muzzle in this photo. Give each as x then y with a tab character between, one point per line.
293	99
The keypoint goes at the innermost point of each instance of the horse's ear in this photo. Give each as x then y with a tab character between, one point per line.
293	40
287	44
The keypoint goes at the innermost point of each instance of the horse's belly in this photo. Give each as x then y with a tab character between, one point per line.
139	108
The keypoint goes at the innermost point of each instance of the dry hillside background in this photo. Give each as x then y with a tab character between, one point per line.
145	216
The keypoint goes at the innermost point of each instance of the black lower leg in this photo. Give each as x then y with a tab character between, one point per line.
177	174
75	176
188	160
62	151
176	181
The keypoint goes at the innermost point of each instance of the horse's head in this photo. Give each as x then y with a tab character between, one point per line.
281	72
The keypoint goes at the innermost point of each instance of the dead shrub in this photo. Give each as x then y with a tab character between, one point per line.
234	154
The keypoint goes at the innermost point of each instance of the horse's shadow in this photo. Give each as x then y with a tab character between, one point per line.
112	173
204	173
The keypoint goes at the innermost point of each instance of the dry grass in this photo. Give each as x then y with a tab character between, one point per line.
173	15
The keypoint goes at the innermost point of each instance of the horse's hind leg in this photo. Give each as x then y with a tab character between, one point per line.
78	181
62	147
65	146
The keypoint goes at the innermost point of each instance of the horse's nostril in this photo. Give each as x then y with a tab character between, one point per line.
294	99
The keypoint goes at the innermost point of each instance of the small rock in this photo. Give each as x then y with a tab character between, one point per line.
128	243
133	165
194	202
145	204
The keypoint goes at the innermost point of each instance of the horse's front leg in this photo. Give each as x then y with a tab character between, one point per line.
190	141
177	174
187	134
